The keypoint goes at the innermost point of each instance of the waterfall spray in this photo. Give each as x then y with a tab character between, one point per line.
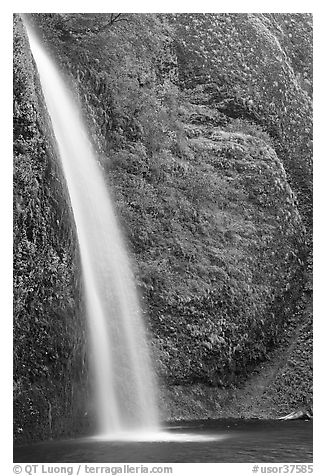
124	382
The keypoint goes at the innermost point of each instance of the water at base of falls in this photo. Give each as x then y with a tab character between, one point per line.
123	378
214	441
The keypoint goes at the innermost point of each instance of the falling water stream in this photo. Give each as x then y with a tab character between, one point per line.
124	381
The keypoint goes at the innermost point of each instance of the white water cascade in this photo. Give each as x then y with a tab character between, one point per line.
124	385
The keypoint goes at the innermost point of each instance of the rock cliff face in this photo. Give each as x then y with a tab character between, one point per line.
257	67
203	127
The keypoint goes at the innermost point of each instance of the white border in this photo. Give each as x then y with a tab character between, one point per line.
319	187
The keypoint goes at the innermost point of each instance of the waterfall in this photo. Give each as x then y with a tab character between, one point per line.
124	384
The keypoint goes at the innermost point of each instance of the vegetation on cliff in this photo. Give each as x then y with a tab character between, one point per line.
203	128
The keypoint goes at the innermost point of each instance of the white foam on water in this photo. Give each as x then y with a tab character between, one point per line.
160	436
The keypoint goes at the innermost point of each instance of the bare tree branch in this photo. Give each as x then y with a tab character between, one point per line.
78	26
